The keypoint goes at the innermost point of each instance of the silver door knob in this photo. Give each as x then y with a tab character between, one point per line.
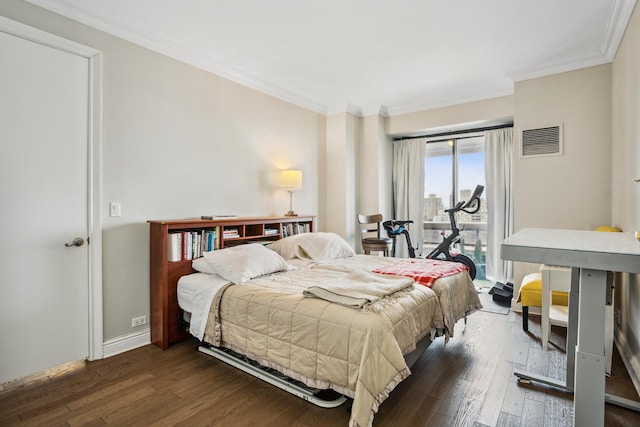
78	241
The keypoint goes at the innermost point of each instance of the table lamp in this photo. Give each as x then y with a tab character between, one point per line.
291	180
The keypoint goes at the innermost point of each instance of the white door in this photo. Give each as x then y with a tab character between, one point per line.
44	285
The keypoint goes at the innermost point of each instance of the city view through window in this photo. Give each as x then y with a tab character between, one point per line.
453	168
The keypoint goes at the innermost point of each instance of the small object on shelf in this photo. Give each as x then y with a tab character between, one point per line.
230	233
214	217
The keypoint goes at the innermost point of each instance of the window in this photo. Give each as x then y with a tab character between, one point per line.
453	168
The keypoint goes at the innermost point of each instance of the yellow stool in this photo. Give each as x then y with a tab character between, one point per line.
530	295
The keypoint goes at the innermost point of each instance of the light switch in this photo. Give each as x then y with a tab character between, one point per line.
115	209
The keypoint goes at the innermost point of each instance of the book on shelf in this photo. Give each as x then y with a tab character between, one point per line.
218	236
209	243
230	233
187	245
174	247
271	231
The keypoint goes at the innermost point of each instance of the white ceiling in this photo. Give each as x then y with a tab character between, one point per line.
368	56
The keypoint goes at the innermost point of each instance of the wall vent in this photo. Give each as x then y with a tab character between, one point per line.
545	141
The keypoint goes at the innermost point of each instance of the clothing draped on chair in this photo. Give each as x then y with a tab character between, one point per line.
408	189
499	196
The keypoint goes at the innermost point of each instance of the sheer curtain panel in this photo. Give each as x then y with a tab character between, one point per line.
408	189
499	196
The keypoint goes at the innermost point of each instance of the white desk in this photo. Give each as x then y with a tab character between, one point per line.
592	255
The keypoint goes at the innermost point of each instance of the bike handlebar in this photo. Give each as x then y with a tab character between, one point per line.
474	201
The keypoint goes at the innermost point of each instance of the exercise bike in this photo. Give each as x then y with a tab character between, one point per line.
395	228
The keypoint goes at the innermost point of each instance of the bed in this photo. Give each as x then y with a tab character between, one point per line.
311	309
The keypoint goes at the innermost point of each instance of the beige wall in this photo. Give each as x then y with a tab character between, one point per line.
180	142
343	138
374	165
572	190
625	193
472	114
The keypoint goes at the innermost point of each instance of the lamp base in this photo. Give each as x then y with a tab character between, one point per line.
291	213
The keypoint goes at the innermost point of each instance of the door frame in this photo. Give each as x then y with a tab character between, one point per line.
94	168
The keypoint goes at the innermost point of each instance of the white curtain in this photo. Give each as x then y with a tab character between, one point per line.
499	196
408	190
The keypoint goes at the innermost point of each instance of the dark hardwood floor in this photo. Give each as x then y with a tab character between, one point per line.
468	382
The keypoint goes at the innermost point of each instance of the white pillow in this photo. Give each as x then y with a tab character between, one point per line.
315	246
201	265
244	262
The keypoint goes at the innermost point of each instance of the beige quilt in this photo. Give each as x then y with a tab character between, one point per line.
358	353
456	293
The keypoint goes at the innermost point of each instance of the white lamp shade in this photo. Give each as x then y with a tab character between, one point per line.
291	179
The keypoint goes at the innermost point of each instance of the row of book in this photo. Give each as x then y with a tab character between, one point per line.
295	228
186	245
183	245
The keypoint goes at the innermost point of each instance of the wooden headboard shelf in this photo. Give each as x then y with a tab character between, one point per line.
165	314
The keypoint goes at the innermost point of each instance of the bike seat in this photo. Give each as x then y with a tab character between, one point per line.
395	228
393	222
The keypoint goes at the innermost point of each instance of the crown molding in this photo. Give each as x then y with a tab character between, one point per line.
353	109
561	67
448	99
103	22
616	26
380	110
619	17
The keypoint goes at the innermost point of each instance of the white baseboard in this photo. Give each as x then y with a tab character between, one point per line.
126	342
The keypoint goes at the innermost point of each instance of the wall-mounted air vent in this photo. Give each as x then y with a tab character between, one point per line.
545	141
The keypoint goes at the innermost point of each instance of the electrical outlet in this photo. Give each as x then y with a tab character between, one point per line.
618	317
138	321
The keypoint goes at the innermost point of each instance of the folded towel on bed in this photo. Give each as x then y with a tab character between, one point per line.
361	289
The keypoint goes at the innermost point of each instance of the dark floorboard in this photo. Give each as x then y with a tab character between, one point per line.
468	382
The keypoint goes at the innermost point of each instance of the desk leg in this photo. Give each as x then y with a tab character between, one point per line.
572	333
588	397
572	326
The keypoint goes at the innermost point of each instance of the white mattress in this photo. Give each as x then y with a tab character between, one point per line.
195	293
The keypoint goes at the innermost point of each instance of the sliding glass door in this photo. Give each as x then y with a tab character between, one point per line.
453	168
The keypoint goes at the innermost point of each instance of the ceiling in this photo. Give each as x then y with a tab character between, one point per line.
368	56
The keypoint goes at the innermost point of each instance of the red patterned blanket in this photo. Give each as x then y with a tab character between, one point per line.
423	271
